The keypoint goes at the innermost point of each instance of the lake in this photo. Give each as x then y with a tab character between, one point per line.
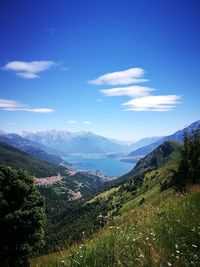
109	166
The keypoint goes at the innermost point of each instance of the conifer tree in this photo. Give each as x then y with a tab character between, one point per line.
189	168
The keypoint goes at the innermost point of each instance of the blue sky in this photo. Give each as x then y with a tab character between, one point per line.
123	69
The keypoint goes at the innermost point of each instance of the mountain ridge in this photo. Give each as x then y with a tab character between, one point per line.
39	151
18	159
177	136
70	142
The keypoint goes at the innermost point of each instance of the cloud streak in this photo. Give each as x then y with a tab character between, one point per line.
13	105
125	77
29	70
153	103
87	122
72	122
132	91
78	122
141	96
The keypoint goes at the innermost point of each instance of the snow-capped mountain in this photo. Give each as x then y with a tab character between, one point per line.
70	142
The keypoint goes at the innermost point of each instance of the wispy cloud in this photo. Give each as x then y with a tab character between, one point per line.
36	110
132	91
72	122
29	70
141	96
125	77
78	122
5	103
87	122
153	103
13	105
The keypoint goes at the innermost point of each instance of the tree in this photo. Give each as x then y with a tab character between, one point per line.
22	218
195	156
189	168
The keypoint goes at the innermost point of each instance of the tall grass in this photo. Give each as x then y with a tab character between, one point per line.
167	234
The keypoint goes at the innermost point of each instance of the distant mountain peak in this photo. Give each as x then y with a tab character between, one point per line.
177	136
82	142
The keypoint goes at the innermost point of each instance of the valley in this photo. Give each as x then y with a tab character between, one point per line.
95	201
98	199
140	220
103	164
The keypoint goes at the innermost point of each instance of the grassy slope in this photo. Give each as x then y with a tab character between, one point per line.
163	231
163	153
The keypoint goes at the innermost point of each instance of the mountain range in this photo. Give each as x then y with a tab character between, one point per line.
18	159
177	136
79	142
39	151
53	145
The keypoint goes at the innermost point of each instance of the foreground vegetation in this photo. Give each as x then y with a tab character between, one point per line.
165	232
22	218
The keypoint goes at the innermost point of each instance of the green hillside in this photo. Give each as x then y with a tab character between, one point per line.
140	223
163	232
90	215
85	183
166	151
18	159
143	225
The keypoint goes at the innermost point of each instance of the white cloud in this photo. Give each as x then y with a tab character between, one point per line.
132	91
4	103
87	122
27	75
37	110
40	110
141	96
125	77
29	70
153	103
13	105
72	122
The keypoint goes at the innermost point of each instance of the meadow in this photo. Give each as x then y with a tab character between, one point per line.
163	232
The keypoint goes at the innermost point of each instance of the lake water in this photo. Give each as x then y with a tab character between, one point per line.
109	166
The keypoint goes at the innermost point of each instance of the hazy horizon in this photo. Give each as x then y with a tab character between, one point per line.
109	137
